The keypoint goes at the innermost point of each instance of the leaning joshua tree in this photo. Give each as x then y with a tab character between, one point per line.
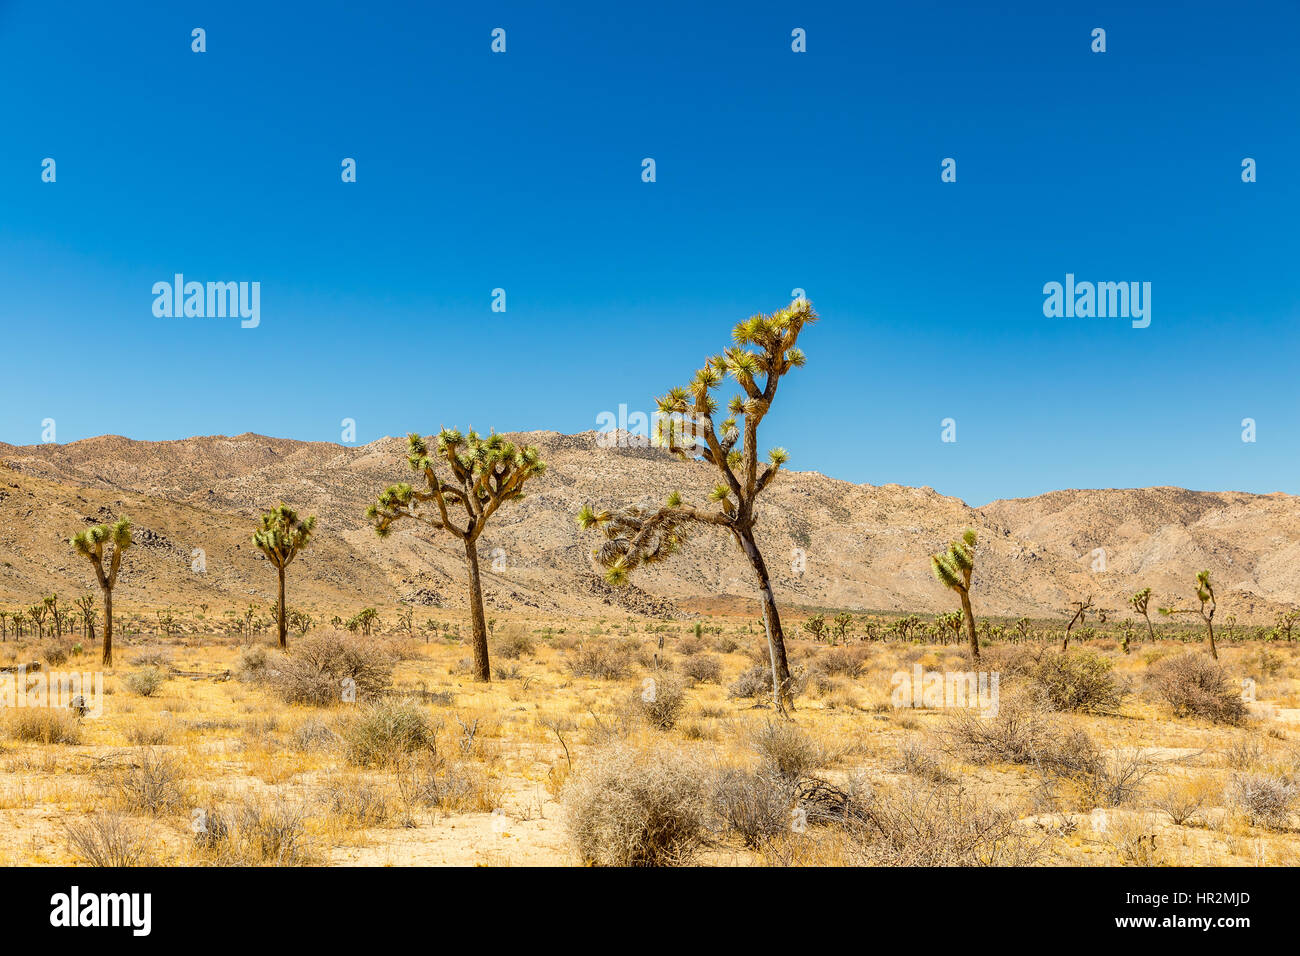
90	543
1139	602
953	568
485	474
1205	594
282	536
765	350
1081	609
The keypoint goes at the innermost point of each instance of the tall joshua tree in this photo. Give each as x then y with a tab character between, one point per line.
485	474
1205	594
1140	602
282	536
953	568
90	544
765	350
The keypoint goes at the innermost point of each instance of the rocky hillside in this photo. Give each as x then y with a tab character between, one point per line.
829	543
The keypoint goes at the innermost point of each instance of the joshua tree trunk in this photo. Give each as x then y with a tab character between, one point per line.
280	612
1150	631
108	627
481	669
970	625
782	696
1214	651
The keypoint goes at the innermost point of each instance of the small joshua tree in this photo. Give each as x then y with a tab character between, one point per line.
86	604
1205	594
765	350
282	536
1140	602
485	474
953	568
816	626
1081	609
90	544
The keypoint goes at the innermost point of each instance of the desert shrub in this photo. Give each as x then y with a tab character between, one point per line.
921	761
920	825
54	653
382	732
756	682
600	660
317	667
638	807
153	657
1112	780
514	643
108	840
148	734
1080	681
44	725
1265	800
1195	685
252	664
154	784
725	644
1182	800
841	660
258	834
660	701
690	645
702	668
1014	660
144	682
1020	733
313	735
755	805
452	786
785	749
358	801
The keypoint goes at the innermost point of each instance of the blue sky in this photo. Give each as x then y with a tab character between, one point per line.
775	170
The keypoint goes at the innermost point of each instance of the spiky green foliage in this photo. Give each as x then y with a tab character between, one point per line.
764	350
281	537
485	473
283	534
90	543
953	569
1204	594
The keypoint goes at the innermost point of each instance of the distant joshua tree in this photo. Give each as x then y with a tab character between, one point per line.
953	568
1205	594
637	536
485	474
4	625
1286	621
86	605
282	536
1140	602
90	544
1081	609
843	621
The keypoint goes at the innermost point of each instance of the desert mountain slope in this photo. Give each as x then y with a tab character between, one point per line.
861	546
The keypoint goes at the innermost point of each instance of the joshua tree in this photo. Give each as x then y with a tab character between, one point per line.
816	626
51	602
952	622
637	536
1286	620
86	604
90	543
485	474
4	625
1022	629
283	535
953	568
1205	594
843	621
1081	608
1139	603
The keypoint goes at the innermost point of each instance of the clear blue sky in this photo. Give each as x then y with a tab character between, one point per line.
775	170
